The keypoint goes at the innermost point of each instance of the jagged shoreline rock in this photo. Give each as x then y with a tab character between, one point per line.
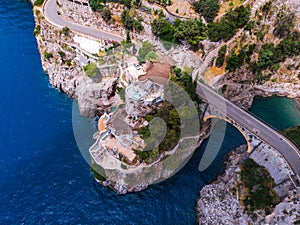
216	203
243	85
219	203
120	188
66	78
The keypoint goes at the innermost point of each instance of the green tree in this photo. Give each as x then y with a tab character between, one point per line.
127	19
267	56
130	22
234	61
221	56
284	23
288	47
137	2
223	29
144	50
207	8
128	39
61	53
65	30
97	5
191	30
151	56
127	3
174	119
239	16
91	70
106	14
38	2
37	30
227	26
48	55
163	29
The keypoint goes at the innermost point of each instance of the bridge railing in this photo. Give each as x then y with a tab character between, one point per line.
256	117
274	128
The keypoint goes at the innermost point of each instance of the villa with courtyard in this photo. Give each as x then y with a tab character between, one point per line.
118	138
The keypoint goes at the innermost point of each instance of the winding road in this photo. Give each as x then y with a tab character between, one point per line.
240	116
258	128
50	12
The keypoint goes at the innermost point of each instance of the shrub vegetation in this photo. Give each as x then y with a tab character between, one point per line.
91	70
259	186
48	55
221	56
294	134
38	2
207	8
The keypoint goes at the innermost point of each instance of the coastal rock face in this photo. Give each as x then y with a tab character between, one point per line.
180	55
56	56
122	188
286	212
219	202
282	80
60	61
95	98
136	179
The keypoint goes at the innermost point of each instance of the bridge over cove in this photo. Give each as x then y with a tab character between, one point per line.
243	120
251	127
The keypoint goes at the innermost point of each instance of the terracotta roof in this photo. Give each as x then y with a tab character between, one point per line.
156	69
111	143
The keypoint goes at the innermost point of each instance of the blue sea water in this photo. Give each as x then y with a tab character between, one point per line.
280	112
43	177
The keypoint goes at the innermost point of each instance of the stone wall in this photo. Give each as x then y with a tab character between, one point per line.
80	6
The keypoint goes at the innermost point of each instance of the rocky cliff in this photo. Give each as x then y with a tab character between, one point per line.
222	201
61	60
56	54
263	60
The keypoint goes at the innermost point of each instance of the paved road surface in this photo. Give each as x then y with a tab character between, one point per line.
260	129
254	125
50	12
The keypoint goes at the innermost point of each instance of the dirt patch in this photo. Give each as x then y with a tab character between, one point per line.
226	5
211	73
182	8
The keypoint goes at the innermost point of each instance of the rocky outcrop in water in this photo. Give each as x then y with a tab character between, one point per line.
58	58
219	202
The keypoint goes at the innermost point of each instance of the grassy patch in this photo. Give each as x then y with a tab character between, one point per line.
38	2
227	5
259	187
91	70
294	134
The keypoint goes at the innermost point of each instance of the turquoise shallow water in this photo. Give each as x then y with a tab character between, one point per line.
277	111
43	177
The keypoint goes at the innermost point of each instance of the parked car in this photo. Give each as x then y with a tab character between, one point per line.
137	66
